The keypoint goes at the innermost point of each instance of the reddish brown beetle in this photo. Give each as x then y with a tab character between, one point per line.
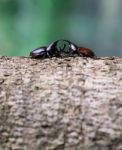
86	52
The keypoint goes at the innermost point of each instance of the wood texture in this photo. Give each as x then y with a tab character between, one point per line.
60	104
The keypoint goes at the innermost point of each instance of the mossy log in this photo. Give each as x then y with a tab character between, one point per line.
60	104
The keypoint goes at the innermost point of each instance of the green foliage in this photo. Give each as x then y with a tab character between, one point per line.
27	24
31	23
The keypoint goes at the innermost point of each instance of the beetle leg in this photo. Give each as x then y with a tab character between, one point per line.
48	55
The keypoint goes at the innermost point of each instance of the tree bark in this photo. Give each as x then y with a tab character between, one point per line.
60	104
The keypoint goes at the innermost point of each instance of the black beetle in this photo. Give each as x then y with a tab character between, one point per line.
61	48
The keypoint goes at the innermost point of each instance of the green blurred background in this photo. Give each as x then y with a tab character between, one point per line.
28	24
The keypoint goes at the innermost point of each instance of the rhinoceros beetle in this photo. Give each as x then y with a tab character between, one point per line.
61	48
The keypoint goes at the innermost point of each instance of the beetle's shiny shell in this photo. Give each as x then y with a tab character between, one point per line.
62	48
38	52
86	52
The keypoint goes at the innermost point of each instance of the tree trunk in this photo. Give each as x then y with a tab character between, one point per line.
60	104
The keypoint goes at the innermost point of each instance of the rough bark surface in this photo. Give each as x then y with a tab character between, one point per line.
60	104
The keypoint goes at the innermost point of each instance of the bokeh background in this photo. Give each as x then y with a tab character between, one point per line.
28	24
